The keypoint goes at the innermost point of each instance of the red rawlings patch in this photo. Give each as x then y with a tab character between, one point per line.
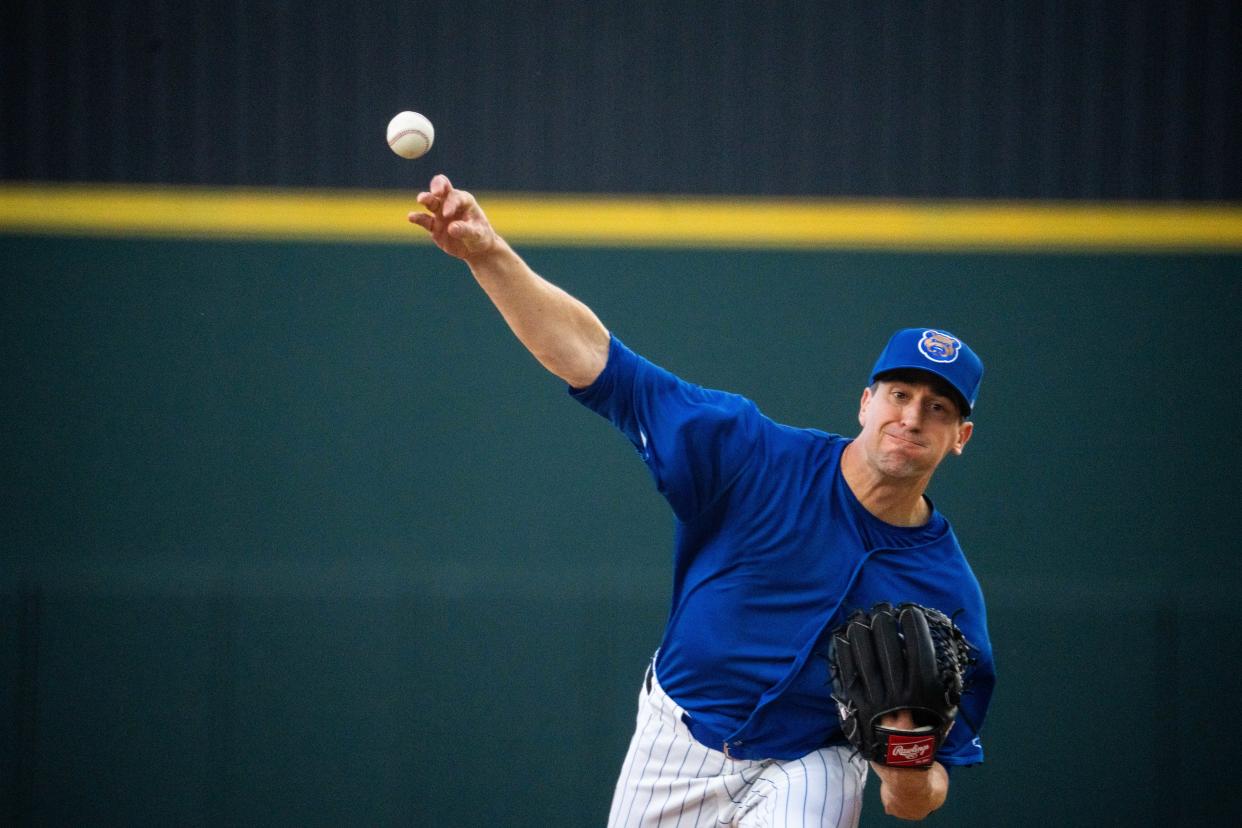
910	751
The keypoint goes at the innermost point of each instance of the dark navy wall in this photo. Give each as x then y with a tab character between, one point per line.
1108	99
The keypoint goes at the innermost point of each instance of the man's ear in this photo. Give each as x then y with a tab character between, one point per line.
963	436
862	406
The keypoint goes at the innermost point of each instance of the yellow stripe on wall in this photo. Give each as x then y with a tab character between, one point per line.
738	222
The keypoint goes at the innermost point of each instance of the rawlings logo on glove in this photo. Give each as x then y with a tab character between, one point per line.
910	750
887	660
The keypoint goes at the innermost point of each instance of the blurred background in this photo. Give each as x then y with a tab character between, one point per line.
295	533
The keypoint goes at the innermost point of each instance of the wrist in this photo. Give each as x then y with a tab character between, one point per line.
494	250
904	779
912	794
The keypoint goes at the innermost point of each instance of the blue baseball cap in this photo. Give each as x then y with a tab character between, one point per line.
938	352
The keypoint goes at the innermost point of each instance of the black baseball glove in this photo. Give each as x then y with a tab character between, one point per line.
909	658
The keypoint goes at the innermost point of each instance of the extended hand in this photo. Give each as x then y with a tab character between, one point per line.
455	221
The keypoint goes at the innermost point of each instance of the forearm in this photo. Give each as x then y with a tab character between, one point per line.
912	794
562	333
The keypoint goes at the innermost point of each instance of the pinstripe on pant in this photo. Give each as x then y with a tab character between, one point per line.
670	780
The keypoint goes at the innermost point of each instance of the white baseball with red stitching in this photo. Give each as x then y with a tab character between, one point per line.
410	134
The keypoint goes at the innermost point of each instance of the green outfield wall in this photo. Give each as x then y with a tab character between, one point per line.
298	534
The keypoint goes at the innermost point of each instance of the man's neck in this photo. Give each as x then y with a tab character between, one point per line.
898	501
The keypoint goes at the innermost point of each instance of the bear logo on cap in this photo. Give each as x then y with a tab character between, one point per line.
939	346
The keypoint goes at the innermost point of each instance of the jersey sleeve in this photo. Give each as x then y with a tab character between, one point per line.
694	440
963	745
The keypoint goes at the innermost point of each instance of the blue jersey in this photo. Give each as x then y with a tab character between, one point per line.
772	552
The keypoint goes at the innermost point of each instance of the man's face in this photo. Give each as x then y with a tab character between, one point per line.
909	426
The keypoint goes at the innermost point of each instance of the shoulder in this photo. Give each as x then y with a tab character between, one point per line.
804	442
626	370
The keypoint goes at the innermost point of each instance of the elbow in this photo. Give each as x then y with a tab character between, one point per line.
582	373
577	363
578	373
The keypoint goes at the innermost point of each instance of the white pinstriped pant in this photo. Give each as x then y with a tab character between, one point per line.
670	780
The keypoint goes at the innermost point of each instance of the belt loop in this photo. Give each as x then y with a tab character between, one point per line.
650	673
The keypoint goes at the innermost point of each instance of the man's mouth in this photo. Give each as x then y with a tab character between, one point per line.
905	439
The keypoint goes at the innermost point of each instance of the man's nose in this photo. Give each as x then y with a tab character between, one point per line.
912	415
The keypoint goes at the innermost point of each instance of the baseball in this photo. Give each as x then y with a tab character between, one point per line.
410	134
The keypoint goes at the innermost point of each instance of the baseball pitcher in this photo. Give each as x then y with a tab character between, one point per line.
824	619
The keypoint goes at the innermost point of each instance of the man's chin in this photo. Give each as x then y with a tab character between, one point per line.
901	466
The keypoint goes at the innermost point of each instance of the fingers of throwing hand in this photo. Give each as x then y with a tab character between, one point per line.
430	201
440	185
462	231
457	203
